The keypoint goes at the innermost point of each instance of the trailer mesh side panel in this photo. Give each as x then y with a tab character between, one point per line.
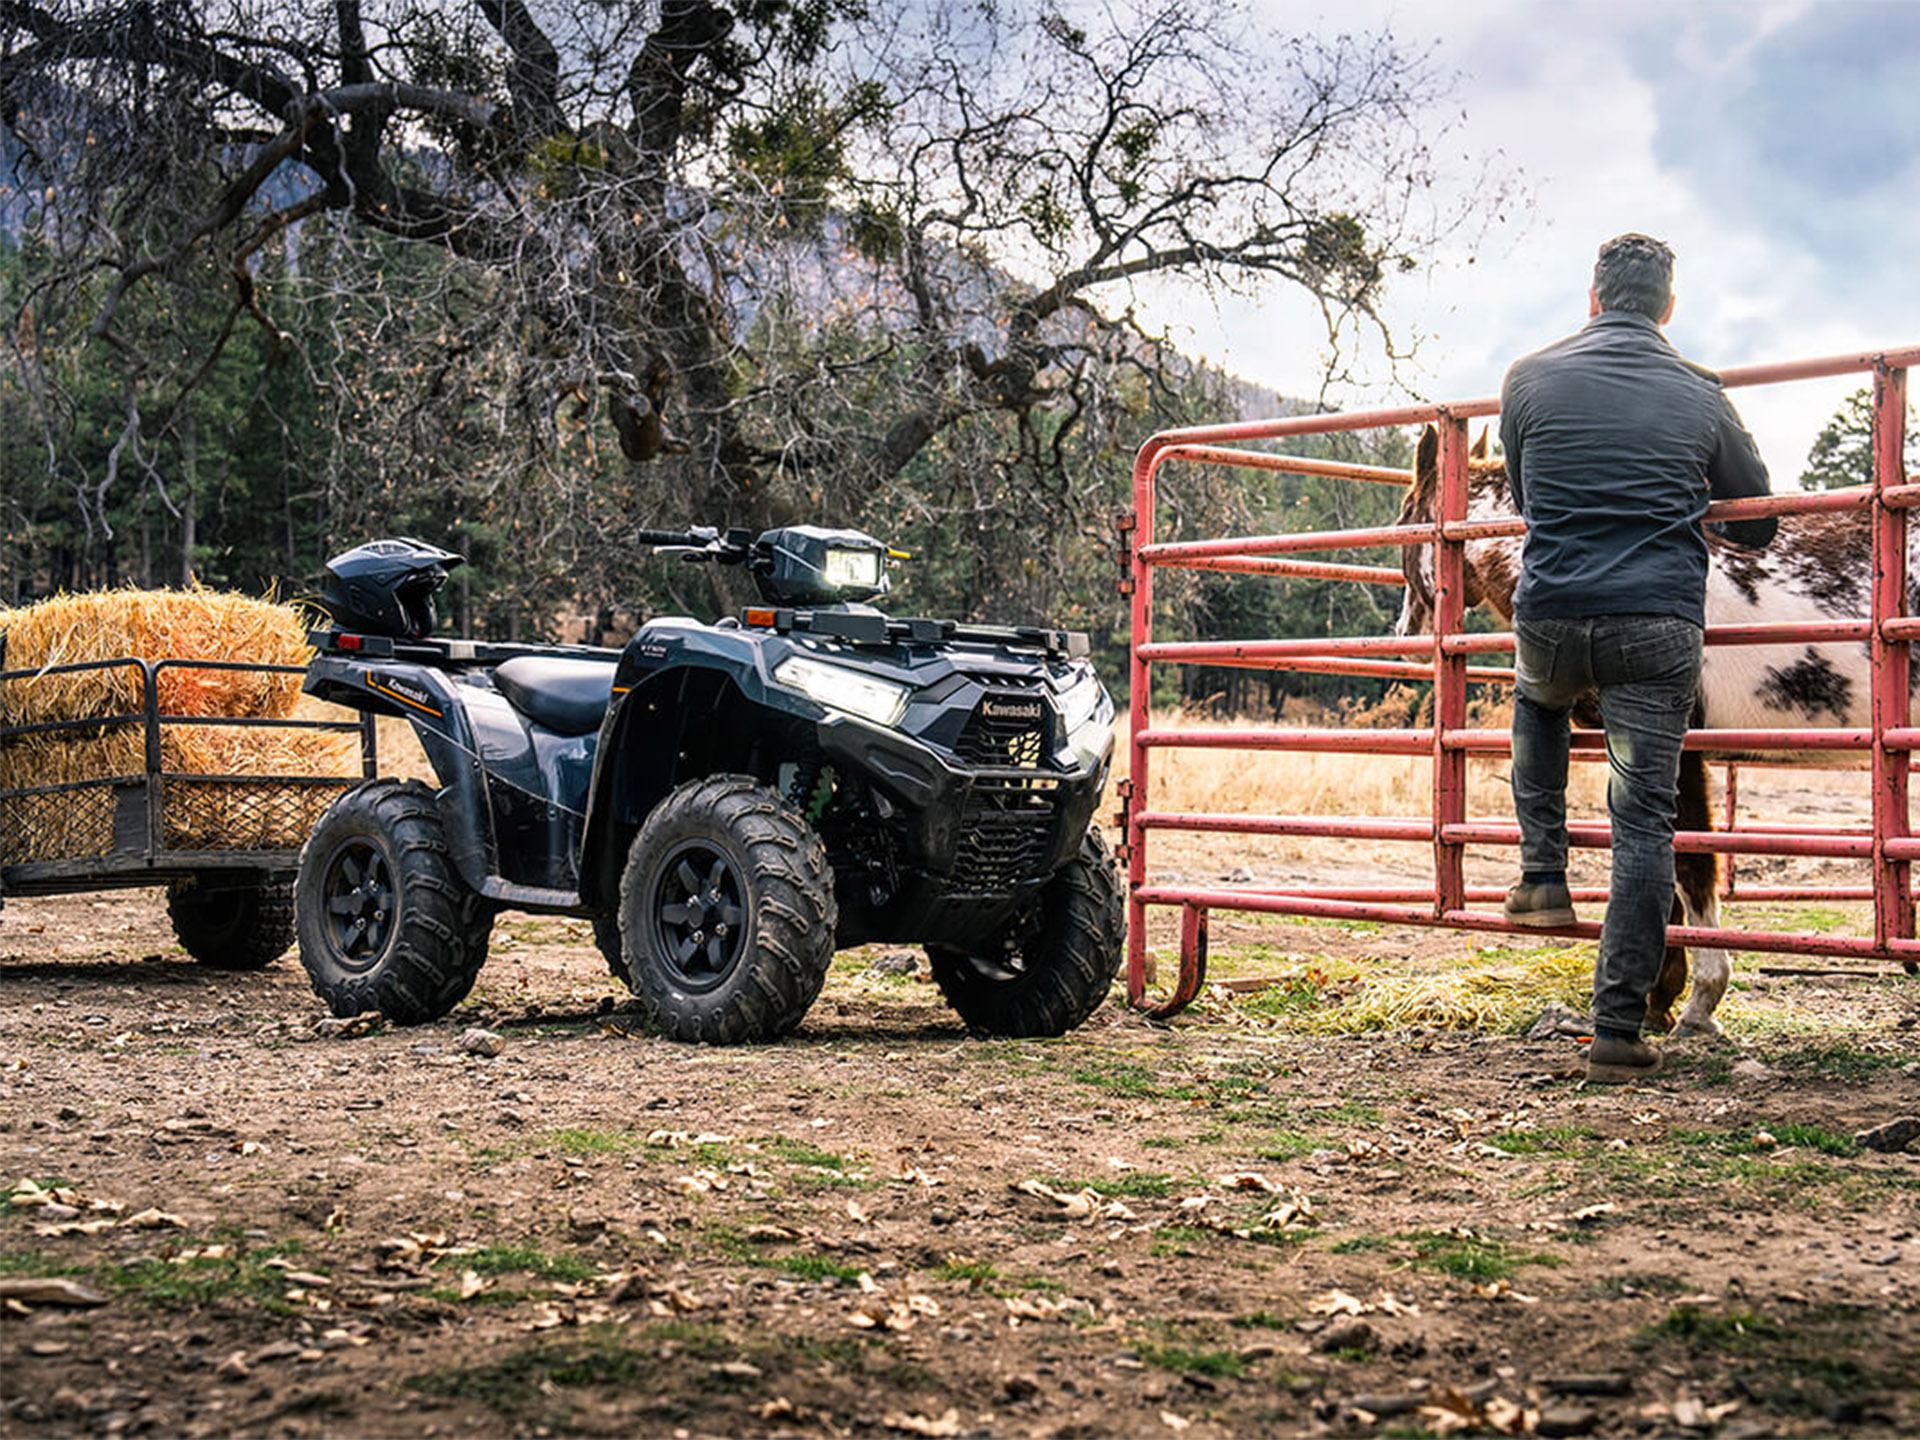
73	823
213	813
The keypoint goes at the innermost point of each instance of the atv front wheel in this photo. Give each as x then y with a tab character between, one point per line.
1056	976
385	921
244	926
726	913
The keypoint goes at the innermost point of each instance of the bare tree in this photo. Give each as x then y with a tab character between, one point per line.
686	257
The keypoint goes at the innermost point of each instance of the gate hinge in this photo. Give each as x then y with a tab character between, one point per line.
1124	524
1123	817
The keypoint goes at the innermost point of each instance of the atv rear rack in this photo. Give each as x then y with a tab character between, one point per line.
447	654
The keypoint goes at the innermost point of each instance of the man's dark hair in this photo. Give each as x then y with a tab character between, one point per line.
1634	272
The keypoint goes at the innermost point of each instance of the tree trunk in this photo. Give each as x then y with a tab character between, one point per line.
191	477
190	474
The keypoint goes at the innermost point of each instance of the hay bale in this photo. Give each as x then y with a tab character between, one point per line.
151	625
162	625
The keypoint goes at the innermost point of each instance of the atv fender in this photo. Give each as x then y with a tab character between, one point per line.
425	699
719	704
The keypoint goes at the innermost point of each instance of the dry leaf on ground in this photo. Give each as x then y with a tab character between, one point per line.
1337	1302
946	1424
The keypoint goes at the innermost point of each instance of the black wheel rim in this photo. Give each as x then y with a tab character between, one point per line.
360	896
699	912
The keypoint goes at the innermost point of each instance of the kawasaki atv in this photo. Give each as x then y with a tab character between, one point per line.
729	803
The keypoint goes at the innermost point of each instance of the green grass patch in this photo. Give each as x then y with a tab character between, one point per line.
1131	1185
798	1152
1470	1257
1836	1060
522	1260
1176	1239
1820	919
1287	1145
1787	1135
1361	1244
525	1377
1260	1320
1163	1142
1288	997
1826	1355
1214	1364
584	1140
1545	1140
243	1278
1347	1112
817	1268
1709	1329
34	1262
1128	1079
976	1273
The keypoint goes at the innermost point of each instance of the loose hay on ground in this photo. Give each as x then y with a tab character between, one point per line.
1492	996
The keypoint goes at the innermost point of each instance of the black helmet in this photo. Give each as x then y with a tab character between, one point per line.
385	587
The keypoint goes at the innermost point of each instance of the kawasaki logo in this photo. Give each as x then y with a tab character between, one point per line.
1011	709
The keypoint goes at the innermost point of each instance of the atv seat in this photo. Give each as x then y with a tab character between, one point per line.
568	697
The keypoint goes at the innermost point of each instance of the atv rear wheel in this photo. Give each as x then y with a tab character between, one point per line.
1056	976
385	921
727	913
244	925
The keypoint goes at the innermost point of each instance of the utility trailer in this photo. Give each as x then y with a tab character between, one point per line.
225	846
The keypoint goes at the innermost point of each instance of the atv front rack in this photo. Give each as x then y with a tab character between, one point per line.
870	627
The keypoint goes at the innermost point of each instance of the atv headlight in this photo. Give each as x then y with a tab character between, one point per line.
1082	709
852	569
837	688
1081	703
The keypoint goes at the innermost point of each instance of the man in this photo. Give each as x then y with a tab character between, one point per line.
1614	444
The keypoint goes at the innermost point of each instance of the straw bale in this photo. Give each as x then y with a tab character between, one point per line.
194	624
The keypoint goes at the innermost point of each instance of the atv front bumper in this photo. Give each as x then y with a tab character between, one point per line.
973	843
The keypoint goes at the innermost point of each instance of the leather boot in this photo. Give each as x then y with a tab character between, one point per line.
1613	1060
1540	907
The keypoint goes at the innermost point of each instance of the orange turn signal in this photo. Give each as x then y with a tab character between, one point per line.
760	619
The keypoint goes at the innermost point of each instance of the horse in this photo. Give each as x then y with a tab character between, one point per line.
1819	568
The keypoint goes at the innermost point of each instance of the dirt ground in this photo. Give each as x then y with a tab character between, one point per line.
1227	1225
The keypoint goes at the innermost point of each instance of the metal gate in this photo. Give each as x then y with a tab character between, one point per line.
1443	658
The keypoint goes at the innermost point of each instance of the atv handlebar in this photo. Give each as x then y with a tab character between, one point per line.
701	542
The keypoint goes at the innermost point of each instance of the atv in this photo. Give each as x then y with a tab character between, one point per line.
729	803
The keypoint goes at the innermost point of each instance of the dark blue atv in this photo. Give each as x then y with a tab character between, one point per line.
730	803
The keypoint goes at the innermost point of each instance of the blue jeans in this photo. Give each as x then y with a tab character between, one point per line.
1647	670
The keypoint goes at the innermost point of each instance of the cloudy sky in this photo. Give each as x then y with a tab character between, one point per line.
1775	144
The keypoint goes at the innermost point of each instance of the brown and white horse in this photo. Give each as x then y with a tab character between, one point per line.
1819	567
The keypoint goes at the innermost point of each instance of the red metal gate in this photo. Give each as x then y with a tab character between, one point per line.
1443	658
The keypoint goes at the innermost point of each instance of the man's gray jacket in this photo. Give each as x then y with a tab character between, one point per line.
1614	445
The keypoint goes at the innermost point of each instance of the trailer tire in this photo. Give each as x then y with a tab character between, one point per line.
243	926
385	921
727	913
1057	976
